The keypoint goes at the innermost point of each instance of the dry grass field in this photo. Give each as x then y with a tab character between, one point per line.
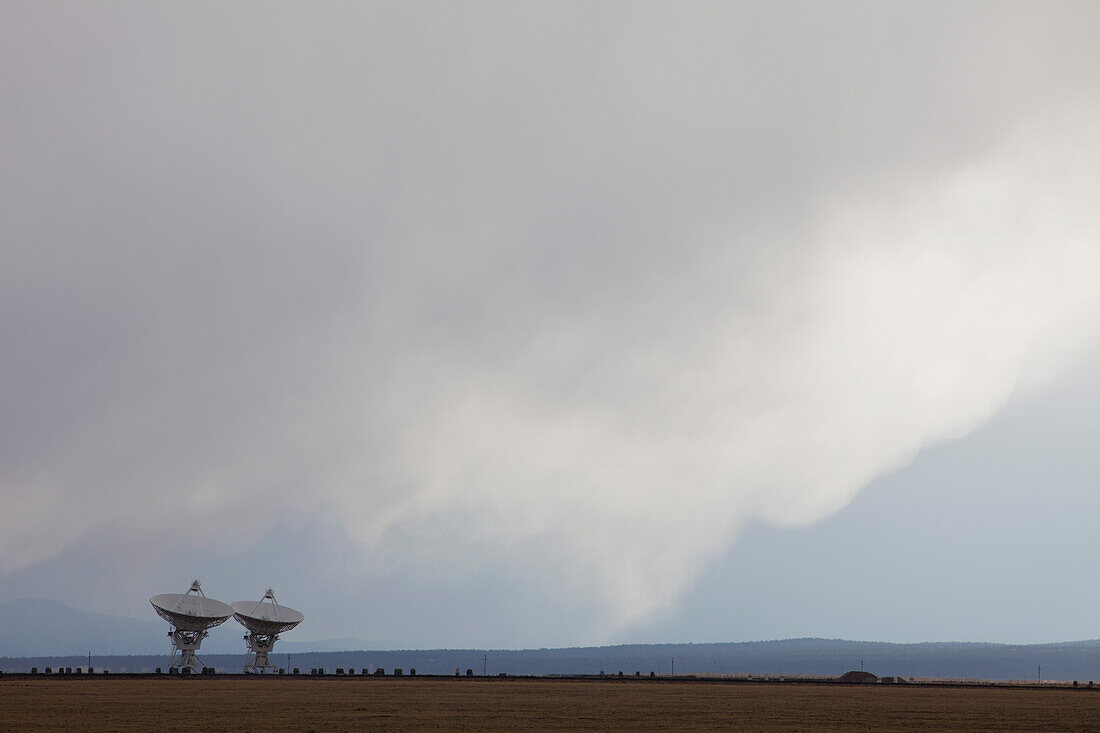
326	704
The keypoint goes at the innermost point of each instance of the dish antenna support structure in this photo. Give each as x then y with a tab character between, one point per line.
191	614
265	621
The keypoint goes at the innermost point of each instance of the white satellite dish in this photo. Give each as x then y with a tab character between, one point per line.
264	621
190	614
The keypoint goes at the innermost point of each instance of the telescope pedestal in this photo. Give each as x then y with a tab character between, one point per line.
259	646
185	644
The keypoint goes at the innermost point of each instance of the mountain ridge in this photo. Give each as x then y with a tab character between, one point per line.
44	632
43	627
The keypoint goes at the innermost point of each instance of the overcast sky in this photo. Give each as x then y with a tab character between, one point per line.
526	324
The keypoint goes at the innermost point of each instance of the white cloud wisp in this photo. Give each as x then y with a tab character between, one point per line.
546	289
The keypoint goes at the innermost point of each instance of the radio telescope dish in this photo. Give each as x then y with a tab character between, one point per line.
191	615
264	621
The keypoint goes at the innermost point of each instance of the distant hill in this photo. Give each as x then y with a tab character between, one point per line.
38	632
41	627
327	645
37	626
828	657
824	657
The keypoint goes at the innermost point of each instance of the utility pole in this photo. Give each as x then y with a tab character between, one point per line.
484	664
673	667
89	661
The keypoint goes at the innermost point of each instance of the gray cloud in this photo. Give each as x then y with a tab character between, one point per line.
557	281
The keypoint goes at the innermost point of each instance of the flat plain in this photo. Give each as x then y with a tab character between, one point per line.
238	703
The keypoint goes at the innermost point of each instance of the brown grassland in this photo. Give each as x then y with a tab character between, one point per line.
226	703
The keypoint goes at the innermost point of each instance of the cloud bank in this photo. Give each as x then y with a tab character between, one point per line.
588	288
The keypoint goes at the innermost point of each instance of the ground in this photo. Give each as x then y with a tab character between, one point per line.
237	703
